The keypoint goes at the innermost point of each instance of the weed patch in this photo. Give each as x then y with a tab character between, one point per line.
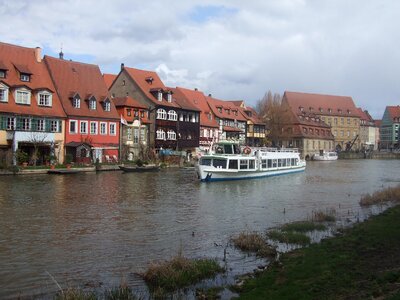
289	237
302	226
253	242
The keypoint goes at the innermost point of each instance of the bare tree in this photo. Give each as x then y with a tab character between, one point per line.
37	139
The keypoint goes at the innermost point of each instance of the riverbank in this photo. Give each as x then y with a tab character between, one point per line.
362	263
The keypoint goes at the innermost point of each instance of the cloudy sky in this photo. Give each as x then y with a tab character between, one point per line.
233	49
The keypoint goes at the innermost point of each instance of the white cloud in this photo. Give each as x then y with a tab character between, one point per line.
230	48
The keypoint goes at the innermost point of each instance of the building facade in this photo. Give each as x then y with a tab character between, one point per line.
32	120
389	130
93	123
368	133
339	112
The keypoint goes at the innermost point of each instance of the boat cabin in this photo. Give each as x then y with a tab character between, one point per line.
226	148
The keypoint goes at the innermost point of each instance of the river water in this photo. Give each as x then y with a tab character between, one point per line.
98	230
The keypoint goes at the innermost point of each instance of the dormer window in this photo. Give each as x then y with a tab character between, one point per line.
159	96
23	96
25	77
310	108
107	105
320	109
3	93
220	109
348	111
329	110
76	102
301	108
3	74
92	103
169	97
44	98
339	111
149	80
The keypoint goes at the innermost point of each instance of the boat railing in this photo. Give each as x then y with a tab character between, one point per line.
269	149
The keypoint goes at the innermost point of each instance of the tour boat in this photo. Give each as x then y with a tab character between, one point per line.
227	161
325	156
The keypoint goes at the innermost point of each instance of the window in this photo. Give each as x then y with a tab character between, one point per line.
161	114
264	163
54	126
160	134
93	127
142	114
171	135
45	99
92	104
10	123
335	121
172	115
26	123
252	164
136	135
143	134
129	112
41	125
84	127
159	96
219	163
136	113
2	74
3	94
220	109
113	129
103	128
342	121
348	121
25	77
129	134
169	97
73	128
107	105
23	97
244	164
233	164
348	133
76	102
341	132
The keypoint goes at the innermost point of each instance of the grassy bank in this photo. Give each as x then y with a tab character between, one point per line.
363	263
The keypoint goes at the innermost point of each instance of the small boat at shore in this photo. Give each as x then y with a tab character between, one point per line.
325	156
228	162
144	168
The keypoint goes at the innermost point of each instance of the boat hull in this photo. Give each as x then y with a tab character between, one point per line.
210	175
139	169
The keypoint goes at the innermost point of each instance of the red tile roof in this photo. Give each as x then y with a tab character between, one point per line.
109	79
198	99
127	101
84	79
394	111
225	109
180	99
364	115
321	104
13	57
149	82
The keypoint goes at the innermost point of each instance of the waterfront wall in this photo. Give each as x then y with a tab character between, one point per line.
373	155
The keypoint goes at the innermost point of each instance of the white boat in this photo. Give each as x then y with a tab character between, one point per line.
325	156
228	162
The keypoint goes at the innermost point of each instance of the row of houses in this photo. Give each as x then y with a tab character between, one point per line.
57	109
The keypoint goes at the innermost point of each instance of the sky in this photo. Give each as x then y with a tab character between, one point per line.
232	49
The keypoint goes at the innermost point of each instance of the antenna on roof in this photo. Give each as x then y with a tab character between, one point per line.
61	54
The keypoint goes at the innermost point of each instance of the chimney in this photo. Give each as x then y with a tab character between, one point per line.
209	95
195	89
61	55
38	54
122	66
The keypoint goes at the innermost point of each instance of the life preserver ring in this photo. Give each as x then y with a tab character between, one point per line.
247	150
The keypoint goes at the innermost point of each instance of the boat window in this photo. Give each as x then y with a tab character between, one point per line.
205	162
293	163
228	149
283	162
274	163
243	164
233	164
269	163
288	162
219	163
264	163
297	161
252	164
236	149
279	163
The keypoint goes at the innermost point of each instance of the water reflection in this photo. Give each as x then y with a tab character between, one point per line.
100	229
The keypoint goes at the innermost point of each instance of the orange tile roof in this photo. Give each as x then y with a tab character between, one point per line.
321	104
394	111
183	101
14	58
225	109
148	82
198	99
84	79
127	101
109	79
364	115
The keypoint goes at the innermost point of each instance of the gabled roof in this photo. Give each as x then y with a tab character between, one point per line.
250	114
28	60
364	115
149	83
109	79
198	99
321	104
225	109
127	102
75	78
180	99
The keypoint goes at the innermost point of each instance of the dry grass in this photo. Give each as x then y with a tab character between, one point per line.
329	215
391	194
253	242
179	272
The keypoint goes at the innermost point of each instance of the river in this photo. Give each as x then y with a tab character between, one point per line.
98	230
